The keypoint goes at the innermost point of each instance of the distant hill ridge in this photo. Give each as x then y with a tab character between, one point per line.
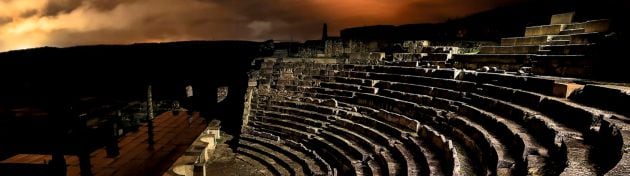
500	22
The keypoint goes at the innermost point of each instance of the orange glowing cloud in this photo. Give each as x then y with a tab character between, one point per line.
34	23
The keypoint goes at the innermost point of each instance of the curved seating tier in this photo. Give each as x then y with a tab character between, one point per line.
392	120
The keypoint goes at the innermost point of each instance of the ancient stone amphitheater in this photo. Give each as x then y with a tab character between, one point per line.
332	117
308	117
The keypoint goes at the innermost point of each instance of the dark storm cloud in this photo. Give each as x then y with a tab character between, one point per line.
56	7
106	5
5	20
29	13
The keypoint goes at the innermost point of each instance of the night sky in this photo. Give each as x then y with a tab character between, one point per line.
35	23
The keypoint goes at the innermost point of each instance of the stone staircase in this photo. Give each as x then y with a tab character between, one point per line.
562	48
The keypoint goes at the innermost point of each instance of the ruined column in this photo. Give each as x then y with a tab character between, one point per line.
150	115
248	102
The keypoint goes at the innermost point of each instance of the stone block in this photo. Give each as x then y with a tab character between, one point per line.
563	65
570	49
444	73
532	40
614	98
408	64
510	62
585	38
553	29
331	103
564	90
569	114
596	26
508	41
572	31
563	18
523	49
527	99
215	128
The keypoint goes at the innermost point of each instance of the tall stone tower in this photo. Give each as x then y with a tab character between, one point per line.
325	32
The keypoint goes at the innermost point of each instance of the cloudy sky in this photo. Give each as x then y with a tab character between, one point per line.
34	23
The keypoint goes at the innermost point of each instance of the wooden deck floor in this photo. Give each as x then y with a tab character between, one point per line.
172	134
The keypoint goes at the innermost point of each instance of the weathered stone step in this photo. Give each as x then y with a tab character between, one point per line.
356	137
269	163
592	124
560	37
520	49
570	49
444	157
507	131
261	168
284	122
347	125
293	134
413	150
544	30
370	167
307	164
386	164
589	133
572	31
572	65
539	129
381	82
528	40
348	80
352	150
302	149
296	110
506	164
320	90
406	108
348	87
353	164
613	98
556	42
497	145
367	126
601	25
278	158
361	71
339	162
290	117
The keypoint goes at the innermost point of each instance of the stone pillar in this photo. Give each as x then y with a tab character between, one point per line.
248	102
150	115
215	128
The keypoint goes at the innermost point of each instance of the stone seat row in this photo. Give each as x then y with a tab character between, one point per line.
375	131
586	123
363	132
587	120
